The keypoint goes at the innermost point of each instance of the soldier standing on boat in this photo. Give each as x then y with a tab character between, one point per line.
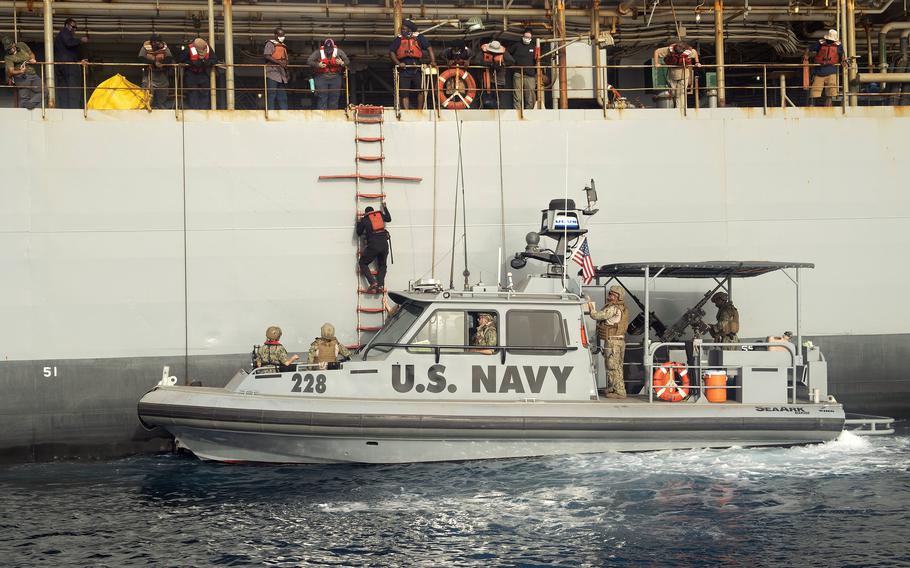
272	352
372	228
326	348
612	323
727	326
485	334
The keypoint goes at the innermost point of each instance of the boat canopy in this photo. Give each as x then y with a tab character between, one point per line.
711	269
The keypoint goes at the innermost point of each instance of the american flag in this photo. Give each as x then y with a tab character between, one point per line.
582	257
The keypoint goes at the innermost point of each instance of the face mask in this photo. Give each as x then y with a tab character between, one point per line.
526	40
281	39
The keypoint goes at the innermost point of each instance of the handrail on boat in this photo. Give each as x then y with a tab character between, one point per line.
649	361
437	348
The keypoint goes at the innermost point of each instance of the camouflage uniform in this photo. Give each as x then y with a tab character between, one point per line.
485	335
727	326
326	348
272	353
612	323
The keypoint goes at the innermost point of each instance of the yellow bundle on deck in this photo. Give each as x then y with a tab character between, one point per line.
117	93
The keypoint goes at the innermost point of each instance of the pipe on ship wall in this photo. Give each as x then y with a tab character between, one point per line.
213	85
884	77
883	43
561	33
719	52
229	54
48	69
436	12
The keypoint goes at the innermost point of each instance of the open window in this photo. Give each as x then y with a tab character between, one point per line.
450	327
535	328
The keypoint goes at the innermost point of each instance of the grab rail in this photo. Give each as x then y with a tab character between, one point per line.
437	348
654	347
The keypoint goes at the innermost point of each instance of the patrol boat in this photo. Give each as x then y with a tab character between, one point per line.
420	390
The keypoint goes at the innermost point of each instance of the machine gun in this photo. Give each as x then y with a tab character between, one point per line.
636	327
692	317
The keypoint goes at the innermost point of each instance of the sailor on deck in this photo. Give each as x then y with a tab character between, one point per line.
727	326
326	348
612	323
272	352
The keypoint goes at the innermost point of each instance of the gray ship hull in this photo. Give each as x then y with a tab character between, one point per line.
231	427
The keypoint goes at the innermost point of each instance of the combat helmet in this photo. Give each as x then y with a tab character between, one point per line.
327	331
720	297
273	333
618	290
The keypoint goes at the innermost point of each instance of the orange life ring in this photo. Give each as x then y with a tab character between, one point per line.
459	97
665	382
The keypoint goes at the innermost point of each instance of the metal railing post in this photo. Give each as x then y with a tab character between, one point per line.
84	91
41	92
265	84
396	88
521	94
177	78
764	71
783	91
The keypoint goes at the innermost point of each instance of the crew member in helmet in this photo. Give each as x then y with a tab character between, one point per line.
372	228
679	58
828	55
727	326
277	75
326	348
406	52
272	352
485	334
328	63
612	323
199	59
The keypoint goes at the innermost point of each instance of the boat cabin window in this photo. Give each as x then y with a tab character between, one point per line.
450	327
397	325
535	328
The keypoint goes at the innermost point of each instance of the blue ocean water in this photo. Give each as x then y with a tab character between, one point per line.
845	503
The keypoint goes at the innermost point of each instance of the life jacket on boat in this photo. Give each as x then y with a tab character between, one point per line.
196	56
326	350
377	223
677	59
408	48
332	64
827	54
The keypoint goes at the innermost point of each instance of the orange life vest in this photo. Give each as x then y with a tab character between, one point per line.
827	54
678	59
332	65
409	48
493	58
194	56
281	51
376	221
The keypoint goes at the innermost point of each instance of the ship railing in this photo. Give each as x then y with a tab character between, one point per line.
245	87
455	349
700	367
249	90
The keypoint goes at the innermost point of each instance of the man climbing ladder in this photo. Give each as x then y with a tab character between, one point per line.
372	228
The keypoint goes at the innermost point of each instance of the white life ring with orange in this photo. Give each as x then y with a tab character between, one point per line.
671	381
460	97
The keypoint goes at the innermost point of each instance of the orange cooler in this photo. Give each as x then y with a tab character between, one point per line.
715	385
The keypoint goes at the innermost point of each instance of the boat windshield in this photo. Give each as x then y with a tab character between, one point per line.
397	325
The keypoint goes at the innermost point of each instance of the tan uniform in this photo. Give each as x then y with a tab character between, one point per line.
324	350
612	323
727	326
